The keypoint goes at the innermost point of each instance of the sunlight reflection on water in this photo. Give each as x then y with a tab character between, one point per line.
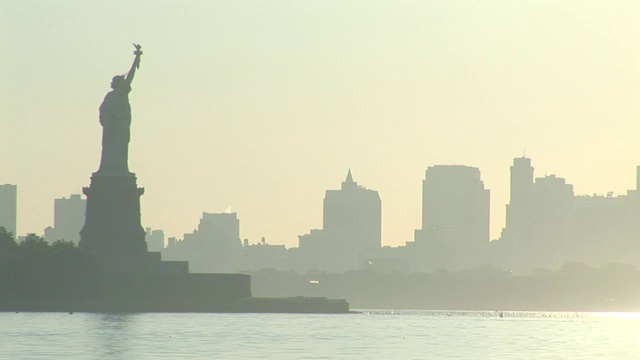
372	334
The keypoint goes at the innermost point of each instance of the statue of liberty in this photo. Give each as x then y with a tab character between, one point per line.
115	118
112	217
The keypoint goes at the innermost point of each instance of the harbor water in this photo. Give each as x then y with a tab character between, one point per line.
370	334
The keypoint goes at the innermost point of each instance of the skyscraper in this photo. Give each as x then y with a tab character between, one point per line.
68	219
9	207
519	209
540	214
455	206
352	216
352	225
219	229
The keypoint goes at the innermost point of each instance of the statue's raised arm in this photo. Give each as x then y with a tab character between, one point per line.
135	65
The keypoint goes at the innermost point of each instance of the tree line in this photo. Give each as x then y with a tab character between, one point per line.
33	269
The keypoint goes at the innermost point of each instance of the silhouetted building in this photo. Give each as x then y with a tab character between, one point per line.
455	206
547	226
261	256
68	219
605	229
352	225
9	208
518	221
214	247
219	229
519	216
553	204
154	239
539	223
352	216
455	220
314	252
552	210
171	242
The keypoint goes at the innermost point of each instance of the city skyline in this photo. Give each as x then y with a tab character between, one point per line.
265	121
518	160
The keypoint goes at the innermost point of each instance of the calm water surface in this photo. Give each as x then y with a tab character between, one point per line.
369	335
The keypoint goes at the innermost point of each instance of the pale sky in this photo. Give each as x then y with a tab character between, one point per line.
261	106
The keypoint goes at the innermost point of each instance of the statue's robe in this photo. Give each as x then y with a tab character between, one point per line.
115	118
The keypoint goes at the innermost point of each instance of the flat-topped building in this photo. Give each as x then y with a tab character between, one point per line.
8	207
455	206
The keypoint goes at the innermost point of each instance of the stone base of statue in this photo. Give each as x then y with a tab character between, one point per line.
112	220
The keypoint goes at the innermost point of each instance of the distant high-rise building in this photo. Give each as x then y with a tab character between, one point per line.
352	216
455	206
540	218
215	246
551	222
9	207
519	209
219	229
553	203
352	225
68	219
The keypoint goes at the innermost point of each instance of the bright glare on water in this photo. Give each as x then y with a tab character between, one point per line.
372	334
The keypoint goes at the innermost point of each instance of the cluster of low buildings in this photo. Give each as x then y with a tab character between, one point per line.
547	226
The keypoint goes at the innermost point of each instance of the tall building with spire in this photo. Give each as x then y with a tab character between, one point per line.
351	226
352	216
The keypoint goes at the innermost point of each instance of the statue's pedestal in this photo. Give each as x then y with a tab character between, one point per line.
112	222
112	233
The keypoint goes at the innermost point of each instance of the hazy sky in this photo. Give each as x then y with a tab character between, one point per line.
261	106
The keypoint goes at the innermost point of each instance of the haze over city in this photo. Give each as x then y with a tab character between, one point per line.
260	107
